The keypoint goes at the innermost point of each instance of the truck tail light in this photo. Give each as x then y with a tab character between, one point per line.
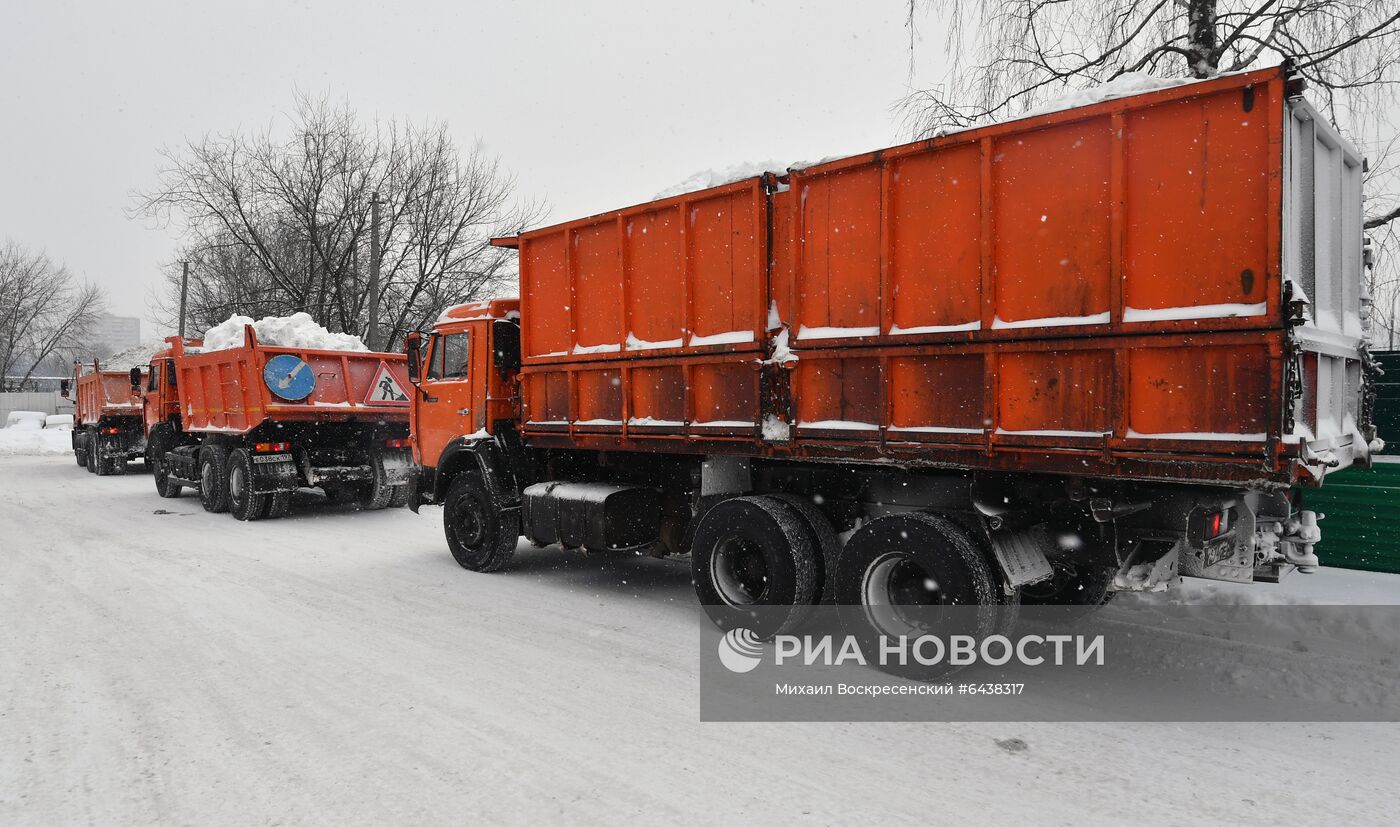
272	447
1217	524
395	443
110	431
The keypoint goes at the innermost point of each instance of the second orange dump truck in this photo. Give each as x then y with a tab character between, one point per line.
107	426
1031	362
246	426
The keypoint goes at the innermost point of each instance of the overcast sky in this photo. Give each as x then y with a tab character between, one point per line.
592	105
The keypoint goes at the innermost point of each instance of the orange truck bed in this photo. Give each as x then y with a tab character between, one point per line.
102	393
224	391
1164	286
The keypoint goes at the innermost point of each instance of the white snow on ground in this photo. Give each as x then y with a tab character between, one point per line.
296	330
166	665
31	441
25	419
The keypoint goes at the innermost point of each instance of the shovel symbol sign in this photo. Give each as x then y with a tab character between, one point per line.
386	389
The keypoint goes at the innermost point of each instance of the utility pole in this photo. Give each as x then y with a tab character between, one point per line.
184	292
372	333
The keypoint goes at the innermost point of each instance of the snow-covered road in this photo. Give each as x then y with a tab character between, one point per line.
161	664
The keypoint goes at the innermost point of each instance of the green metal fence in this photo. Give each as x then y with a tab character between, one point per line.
1362	505
1362	525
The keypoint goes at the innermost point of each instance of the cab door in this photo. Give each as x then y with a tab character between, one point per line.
445	407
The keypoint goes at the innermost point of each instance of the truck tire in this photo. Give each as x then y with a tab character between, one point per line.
823	534
160	472
895	569
398	496
96	463
1085	587
213	479
377	493
276	504
243	502
89	448
80	449
754	563
481	535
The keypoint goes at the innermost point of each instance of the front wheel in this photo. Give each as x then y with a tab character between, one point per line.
160	472
481	535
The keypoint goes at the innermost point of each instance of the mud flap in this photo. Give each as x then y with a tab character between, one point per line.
1021	555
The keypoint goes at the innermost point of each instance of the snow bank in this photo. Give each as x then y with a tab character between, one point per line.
30	440
25	419
59	421
296	330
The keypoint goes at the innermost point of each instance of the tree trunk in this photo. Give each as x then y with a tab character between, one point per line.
1202	42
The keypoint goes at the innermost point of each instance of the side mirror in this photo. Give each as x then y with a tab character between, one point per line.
135	379
413	345
63	387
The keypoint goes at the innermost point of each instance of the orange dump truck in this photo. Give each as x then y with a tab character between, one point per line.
107	428
246	426
1036	361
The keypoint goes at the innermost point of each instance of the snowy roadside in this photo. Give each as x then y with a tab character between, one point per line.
20	441
168	665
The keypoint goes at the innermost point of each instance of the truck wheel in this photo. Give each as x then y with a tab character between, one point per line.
90	449
824	538
160	472
100	466
754	563
896	570
213	479
377	493
481	535
276	504
80	452
243	502
398	497
1083	586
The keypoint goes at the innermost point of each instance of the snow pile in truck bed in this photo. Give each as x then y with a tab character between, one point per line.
133	357
719	177
296	330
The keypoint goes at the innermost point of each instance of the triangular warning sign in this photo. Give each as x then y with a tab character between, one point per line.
385	389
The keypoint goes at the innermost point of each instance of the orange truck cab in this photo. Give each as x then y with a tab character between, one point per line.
247	426
1033	362
107	431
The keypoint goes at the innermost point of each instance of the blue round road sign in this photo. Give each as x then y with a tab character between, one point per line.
289	377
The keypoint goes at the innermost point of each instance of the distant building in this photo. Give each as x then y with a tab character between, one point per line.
113	334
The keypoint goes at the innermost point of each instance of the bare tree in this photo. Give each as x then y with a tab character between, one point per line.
44	313
279	222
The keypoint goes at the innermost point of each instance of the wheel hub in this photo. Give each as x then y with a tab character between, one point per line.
740	573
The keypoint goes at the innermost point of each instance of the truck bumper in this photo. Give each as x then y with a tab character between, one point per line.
274	472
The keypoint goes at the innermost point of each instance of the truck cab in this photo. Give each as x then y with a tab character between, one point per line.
464	374
156	388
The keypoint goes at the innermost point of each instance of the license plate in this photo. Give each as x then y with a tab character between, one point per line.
262	458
